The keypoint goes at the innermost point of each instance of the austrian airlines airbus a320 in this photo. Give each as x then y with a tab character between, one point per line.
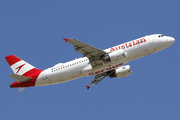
95	62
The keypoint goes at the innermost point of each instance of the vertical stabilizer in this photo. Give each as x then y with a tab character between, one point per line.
25	74
18	66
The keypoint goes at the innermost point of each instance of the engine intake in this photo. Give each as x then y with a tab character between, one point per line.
115	56
122	72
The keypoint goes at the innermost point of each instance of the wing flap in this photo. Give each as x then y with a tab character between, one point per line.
20	78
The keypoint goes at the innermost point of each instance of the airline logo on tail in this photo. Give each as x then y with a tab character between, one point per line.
19	67
25	74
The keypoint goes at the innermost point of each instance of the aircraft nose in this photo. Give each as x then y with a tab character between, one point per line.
170	41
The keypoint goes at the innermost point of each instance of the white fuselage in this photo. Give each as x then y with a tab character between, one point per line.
78	68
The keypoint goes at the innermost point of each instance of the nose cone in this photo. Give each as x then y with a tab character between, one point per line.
170	41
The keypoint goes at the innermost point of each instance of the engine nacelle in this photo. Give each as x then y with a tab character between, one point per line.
115	56
122	72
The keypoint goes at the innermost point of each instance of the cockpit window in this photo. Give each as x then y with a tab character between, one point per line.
161	36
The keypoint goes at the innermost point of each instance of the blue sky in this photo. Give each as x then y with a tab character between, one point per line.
34	31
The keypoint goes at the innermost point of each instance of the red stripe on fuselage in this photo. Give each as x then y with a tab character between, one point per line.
34	73
12	59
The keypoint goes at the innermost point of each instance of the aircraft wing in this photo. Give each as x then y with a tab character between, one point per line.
99	77
88	51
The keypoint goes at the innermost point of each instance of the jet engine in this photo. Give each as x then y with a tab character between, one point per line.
115	56
121	72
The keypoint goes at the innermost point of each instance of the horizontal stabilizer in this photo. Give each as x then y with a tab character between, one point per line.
20	78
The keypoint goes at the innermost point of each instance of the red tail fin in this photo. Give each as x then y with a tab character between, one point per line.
23	68
11	59
20	67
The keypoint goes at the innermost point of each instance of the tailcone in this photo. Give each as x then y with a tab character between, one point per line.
34	73
23	84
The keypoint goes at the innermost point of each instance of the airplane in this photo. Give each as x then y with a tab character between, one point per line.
95	62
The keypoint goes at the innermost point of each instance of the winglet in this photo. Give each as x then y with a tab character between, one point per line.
65	39
87	87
